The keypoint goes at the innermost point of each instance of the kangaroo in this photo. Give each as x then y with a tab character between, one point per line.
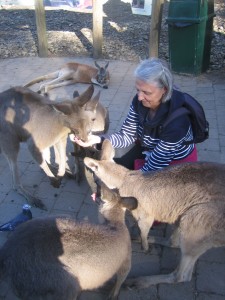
190	195
56	258
100	126
31	118
71	73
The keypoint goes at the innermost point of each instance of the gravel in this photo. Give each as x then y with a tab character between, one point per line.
69	33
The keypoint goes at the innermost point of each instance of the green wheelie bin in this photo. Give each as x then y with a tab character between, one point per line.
190	25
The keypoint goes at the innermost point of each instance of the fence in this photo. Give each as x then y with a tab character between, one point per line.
97	12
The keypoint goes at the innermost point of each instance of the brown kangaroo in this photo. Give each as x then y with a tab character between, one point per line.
190	195
31	118
71	73
56	258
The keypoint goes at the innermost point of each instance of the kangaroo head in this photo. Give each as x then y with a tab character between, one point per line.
112	207
110	173
102	77
112	197
101	123
79	114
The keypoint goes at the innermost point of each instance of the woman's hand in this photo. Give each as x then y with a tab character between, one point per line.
92	140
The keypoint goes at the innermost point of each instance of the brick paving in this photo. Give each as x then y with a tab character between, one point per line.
208	282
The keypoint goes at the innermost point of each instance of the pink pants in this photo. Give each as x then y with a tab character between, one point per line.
138	163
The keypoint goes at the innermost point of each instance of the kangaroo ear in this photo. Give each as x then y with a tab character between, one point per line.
106	66
91	164
92	104
85	96
64	108
129	203
108	151
97	65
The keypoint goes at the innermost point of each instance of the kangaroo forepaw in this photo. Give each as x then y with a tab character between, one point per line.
56	181
69	174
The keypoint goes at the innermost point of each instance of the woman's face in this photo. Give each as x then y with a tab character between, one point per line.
149	94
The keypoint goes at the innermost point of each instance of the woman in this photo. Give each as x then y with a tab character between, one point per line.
141	133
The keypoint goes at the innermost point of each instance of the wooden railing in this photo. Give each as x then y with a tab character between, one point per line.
41	28
97	11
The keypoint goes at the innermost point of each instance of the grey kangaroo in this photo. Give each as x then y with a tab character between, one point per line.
31	118
100	126
72	73
56	258
192	195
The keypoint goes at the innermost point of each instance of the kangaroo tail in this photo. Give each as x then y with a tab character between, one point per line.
42	78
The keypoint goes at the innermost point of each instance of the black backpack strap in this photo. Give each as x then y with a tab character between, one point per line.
175	114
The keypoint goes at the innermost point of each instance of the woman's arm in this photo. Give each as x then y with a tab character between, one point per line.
128	132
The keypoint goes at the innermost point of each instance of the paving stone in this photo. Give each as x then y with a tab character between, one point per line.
184	291
210	277
209	296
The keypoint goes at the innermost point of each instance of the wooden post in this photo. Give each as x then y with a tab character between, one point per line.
97	28
155	27
41	28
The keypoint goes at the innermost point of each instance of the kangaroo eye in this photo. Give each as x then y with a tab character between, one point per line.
93	119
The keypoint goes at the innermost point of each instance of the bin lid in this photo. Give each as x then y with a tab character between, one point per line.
190	8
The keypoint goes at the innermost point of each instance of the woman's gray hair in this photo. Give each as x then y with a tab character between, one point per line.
156	71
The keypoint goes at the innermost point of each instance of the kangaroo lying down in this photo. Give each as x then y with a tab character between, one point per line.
192	195
72	73
31	118
56	258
